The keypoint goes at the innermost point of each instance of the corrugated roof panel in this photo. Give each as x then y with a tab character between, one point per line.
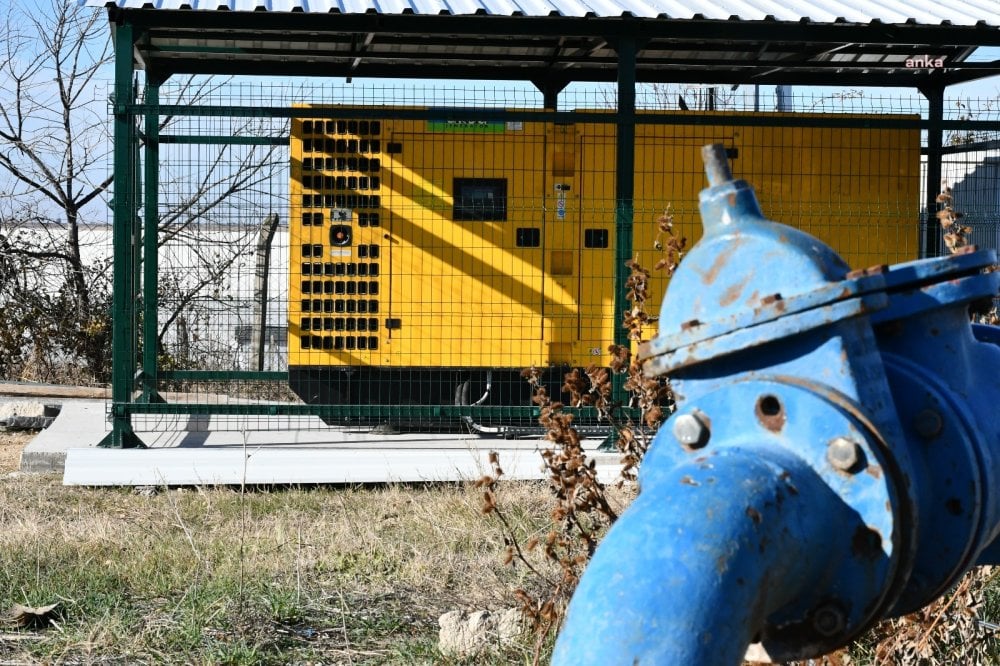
673	8
357	6
929	12
986	10
609	8
536	7
393	6
427	6
283	5
505	7
466	6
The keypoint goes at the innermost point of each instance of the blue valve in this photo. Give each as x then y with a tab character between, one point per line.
831	461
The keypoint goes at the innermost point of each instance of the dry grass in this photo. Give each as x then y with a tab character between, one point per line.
301	575
321	575
11	444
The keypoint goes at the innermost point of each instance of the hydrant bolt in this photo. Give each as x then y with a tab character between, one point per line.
843	453
692	429
829	620
928	423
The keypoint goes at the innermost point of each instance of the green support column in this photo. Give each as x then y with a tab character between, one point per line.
150	253
624	195
135	286
935	114
550	89
123	323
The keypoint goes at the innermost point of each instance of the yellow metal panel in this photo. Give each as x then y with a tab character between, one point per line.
335	313
464	293
536	287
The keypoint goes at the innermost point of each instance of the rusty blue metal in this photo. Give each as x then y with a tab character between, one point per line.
946	389
831	460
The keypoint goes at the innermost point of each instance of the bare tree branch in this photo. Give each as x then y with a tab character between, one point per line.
55	147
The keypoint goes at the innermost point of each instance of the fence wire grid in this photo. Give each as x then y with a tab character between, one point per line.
370	247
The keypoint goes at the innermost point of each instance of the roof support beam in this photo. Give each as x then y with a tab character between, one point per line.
550	89
359	49
805	57
970	71
828	74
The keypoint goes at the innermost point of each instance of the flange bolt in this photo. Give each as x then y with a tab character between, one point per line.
828	620
928	423
692	429
843	453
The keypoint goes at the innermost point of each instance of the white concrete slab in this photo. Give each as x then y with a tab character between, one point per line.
188	450
307	465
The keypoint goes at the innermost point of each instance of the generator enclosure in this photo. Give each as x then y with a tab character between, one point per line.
433	260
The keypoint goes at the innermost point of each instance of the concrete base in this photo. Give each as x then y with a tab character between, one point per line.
79	423
193	451
306	465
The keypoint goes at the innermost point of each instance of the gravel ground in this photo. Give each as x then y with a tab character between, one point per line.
11	444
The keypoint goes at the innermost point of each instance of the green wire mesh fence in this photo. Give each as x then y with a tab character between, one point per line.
393	257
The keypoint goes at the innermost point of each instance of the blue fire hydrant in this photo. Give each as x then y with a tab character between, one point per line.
831	462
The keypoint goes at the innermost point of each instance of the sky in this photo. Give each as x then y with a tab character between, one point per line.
984	88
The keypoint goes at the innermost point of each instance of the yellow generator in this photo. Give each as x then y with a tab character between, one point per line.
433	260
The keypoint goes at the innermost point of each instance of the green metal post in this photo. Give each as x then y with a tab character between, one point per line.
135	286
550	90
624	195
935	114
123	351
150	265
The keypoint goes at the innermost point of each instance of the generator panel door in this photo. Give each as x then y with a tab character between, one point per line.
464	242
595	242
562	250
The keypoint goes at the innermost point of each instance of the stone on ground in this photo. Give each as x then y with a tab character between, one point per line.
465	633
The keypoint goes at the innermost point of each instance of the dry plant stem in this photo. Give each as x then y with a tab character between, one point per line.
241	590
298	566
938	635
343	627
582	512
183	525
956	235
572	540
490	507
962	589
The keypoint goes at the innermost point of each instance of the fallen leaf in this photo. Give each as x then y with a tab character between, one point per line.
31	618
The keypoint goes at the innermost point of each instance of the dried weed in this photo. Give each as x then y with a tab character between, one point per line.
582	508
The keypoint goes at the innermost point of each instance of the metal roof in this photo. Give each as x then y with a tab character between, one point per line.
553	42
928	12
